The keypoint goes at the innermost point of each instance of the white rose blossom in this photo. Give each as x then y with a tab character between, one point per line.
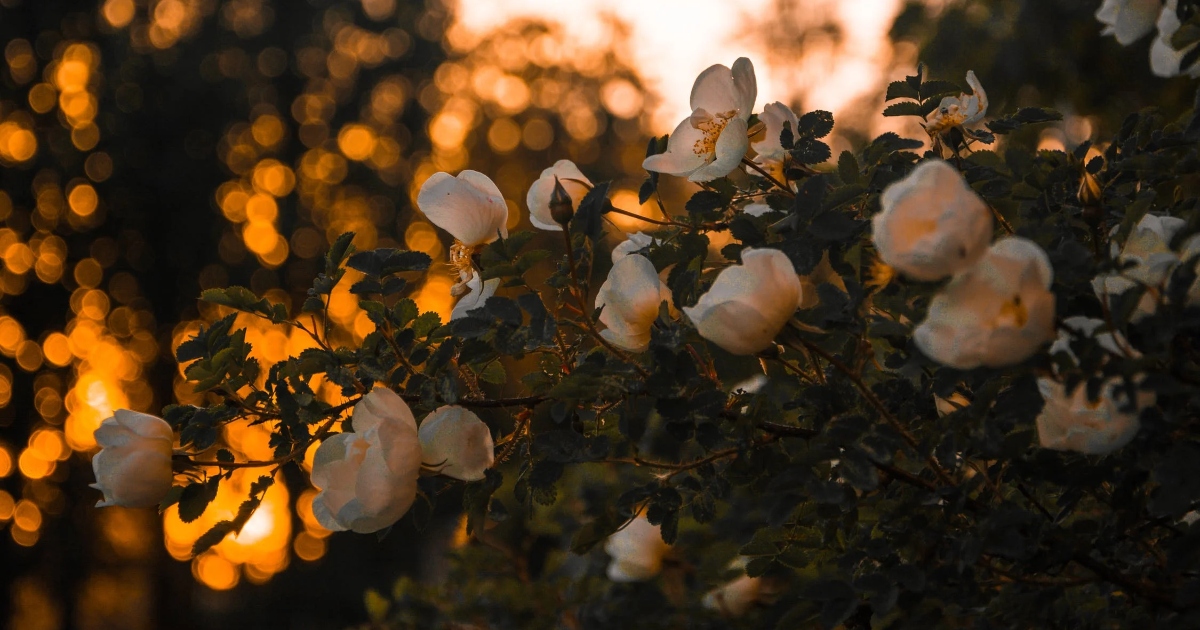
932	225
770	150
637	552
735	597
995	314
1071	422
573	181
470	207
1164	59
748	304
1149	249
456	443
957	111
712	141
368	479
477	293
1128	20
133	467
630	298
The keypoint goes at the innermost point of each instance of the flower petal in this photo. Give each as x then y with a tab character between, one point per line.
680	157
456	443
469	207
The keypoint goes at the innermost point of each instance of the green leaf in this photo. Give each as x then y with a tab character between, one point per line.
904	108
494	374
900	89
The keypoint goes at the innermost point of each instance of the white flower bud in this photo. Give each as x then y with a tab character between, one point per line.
995	314
630	298
932	225
368	479
748	304
133	467
456	443
637	552
469	206
712	141
538	199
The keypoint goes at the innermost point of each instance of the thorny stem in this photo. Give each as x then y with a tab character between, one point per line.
771	178
884	412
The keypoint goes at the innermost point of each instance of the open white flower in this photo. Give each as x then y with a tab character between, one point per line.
956	111
749	303
538	199
456	443
630	297
769	149
1149	248
478	291
995	314
637	552
734	597
133	467
1128	20
470	207
634	242
1071	422
1164	60
712	141
932	224
368	479
757	209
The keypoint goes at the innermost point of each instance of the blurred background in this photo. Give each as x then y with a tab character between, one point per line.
150	149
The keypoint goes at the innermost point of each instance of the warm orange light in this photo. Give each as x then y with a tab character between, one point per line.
57	349
118	13
6	467
7	506
357	142
267	130
42	98
83	200
215	572
17	144
261	208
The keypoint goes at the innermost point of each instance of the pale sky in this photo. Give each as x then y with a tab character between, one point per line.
676	39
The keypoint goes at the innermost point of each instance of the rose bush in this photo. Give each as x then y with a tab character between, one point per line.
838	373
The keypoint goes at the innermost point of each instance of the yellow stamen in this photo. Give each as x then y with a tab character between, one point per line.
1013	313
712	128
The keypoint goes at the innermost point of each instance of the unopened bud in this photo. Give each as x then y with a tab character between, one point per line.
1089	190
561	206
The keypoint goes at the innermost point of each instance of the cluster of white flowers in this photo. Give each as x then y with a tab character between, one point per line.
1130	20
367	478
747	305
997	309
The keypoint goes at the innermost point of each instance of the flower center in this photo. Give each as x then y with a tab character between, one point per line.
1013	313
462	265
711	125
